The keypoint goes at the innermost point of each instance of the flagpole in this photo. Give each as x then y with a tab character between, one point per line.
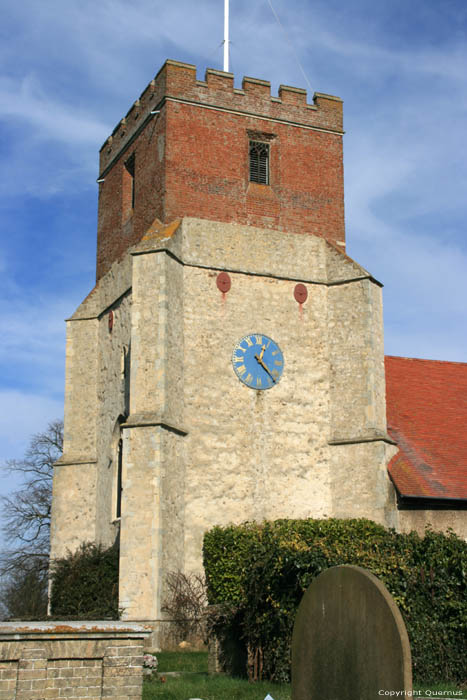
226	36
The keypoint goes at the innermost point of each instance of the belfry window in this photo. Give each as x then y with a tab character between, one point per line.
259	162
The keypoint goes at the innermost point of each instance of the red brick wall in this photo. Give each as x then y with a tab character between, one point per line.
192	160
118	226
207	173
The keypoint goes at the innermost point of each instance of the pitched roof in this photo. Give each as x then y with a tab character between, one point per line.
426	406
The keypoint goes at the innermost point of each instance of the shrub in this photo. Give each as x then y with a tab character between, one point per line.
257	573
85	583
185	602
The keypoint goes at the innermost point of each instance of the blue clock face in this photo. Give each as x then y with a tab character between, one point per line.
258	361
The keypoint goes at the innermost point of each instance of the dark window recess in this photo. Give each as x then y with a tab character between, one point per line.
118	509
130	168
259	162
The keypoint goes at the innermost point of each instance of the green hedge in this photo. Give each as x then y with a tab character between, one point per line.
84	584
257	574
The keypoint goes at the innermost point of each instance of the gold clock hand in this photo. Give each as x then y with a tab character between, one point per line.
265	367
262	352
267	370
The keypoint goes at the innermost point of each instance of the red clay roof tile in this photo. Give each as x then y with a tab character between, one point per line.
426	406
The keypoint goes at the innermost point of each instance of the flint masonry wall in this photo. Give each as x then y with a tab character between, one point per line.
199	447
152	526
203	449
113	390
440	520
75	474
191	159
71	660
97	377
266	455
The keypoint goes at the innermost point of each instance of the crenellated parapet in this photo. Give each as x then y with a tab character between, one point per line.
177	82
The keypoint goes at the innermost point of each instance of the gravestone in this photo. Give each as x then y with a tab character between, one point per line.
349	640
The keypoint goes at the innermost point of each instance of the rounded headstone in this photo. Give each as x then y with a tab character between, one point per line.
349	640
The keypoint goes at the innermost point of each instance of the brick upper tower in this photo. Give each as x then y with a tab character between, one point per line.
208	150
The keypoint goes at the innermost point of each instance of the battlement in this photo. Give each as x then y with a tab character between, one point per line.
177	82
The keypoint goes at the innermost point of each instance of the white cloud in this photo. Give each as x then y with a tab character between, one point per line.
25	414
426	341
32	343
49	118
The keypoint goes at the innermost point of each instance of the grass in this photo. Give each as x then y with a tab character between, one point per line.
187	661
194	682
201	685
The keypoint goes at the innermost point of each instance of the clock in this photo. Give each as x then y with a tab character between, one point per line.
258	361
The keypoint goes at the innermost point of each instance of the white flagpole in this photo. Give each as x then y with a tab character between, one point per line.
226	36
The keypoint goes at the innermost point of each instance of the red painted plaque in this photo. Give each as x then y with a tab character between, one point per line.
223	282
300	293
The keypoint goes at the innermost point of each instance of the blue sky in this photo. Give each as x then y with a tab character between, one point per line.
72	68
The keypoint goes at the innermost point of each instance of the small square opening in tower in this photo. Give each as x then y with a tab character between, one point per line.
259	162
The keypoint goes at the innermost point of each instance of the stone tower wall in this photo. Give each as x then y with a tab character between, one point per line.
96	400
199	447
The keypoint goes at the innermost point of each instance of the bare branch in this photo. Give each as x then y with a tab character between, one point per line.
25	518
185	602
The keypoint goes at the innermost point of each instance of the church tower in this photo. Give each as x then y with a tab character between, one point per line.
228	365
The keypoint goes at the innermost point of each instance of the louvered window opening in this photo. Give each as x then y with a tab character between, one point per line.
259	162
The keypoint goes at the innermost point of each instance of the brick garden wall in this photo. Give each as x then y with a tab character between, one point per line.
42	661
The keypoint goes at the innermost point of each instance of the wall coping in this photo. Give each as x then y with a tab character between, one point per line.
81	629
